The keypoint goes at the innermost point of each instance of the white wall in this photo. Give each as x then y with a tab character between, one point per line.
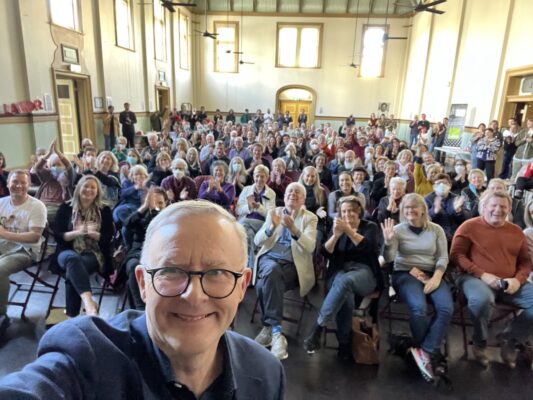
483	56
339	91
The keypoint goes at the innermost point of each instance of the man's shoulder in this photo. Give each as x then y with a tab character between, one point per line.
250	358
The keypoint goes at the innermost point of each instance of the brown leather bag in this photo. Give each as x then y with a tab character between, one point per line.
365	342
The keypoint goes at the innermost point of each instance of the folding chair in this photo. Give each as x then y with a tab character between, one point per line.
38	281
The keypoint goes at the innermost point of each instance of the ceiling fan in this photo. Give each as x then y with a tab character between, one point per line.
206	33
424	6
353	64
240	52
169	5
386	35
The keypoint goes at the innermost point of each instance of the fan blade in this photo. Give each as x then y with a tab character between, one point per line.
184	4
396	38
434	3
403	5
434	11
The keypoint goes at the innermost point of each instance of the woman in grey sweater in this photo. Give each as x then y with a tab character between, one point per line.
419	250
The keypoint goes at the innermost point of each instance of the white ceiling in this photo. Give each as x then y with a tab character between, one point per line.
306	7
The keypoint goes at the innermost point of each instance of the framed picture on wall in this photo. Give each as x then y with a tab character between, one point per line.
70	54
98	102
162	76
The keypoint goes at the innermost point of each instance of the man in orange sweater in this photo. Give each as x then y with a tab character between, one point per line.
492	255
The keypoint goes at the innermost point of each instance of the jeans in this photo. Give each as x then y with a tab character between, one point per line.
355	279
413	137
488	166
427	334
473	156
275	278
110	141
120	215
78	268
251	226
481	302
11	262
506	164
134	295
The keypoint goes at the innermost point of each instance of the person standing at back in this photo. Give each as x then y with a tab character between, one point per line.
128	121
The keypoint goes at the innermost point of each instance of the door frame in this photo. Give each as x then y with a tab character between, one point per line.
166	89
84	103
510	94
311	116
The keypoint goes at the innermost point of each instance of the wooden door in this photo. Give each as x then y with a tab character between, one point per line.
163	98
294	107
68	116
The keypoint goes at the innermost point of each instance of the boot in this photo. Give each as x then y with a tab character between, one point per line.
312	342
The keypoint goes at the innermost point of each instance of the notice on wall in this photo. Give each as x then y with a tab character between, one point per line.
456	125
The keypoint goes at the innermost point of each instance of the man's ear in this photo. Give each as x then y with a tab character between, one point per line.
246	278
139	275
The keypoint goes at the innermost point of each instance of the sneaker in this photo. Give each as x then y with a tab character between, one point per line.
312	342
264	338
508	353
480	354
423	361
279	346
439	364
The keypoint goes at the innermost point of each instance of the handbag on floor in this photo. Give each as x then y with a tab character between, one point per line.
365	342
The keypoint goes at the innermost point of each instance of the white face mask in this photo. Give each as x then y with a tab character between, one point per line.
441	189
89	159
178	173
460	169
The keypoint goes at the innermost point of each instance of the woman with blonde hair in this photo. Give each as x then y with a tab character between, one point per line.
193	162
419	250
107	174
83	232
473	192
238	175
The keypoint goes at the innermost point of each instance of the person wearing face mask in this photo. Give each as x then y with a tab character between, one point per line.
120	151
57	180
459	176
238	175
137	223
472	192
179	187
445	208
314	149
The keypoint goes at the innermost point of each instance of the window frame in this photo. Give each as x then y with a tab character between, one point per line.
365	28
182	65
164	31
236	47
299	26
77	17
132	25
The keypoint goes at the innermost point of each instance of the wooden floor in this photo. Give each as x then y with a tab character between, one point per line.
321	376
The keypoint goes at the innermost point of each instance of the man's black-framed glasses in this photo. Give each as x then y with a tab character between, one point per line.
174	281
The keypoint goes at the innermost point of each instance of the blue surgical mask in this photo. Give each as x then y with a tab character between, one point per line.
131	160
236	167
56	171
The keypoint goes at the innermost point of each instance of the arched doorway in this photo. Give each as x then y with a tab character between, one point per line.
294	98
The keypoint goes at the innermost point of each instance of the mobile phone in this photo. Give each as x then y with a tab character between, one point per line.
420	275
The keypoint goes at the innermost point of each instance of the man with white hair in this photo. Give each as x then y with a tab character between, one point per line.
180	348
238	149
149	153
284	262
179	187
493	256
209	147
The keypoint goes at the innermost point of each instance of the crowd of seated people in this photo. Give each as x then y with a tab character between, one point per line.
303	193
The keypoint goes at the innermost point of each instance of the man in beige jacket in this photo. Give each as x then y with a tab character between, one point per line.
111	128
284	262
